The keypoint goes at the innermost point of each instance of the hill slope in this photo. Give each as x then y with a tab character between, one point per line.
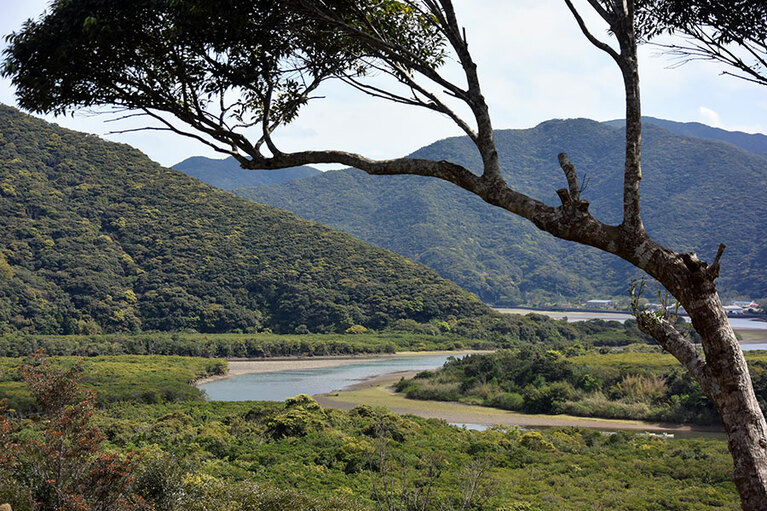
753	142
96	237
228	175
696	193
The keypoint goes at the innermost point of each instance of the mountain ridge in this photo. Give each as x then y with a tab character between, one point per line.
752	142
227	174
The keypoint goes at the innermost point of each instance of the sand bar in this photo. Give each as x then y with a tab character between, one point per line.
748	336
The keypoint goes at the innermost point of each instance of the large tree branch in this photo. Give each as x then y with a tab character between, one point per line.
476	101
399	56
590	37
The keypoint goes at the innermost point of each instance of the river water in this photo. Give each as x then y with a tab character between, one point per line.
572	316
277	386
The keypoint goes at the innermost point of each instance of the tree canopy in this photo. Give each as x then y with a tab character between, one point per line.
731	32
219	70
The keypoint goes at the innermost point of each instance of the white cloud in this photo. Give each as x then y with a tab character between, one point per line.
709	117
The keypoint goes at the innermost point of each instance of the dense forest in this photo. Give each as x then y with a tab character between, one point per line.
97	238
506	260
485	332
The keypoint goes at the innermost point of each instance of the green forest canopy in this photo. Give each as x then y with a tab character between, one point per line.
97	238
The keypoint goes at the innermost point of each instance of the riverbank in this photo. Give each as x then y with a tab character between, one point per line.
239	367
379	391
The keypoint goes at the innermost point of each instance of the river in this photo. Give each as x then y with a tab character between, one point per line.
278	385
572	316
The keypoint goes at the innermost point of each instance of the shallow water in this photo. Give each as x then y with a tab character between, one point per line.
280	385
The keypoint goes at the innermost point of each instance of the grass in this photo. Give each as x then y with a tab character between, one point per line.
145	379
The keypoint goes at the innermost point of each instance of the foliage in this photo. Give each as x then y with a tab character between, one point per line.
257	62
484	332
503	259
733	33
218	455
223	451
99	239
59	463
144	379
617	385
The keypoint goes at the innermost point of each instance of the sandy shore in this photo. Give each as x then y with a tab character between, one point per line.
379	391
239	366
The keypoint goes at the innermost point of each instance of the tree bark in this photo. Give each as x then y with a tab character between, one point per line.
723	374
733	395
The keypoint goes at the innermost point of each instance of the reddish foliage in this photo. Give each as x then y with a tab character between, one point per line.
67	470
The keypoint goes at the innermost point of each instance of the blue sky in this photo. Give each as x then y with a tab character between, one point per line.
534	65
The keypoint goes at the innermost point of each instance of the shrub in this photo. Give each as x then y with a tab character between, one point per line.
508	401
535	441
548	398
641	389
62	466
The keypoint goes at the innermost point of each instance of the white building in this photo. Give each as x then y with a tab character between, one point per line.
600	304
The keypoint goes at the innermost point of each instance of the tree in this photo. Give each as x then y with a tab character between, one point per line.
65	468
225	74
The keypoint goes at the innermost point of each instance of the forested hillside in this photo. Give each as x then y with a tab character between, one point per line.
753	142
228	175
696	194
98	238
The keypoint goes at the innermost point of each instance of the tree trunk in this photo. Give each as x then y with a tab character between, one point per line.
733	395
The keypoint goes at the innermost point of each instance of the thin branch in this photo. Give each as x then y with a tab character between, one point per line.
593	40
572	177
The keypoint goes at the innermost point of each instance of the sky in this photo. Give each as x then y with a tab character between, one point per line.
534	65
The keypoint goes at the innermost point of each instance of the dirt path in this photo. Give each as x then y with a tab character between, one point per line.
379	392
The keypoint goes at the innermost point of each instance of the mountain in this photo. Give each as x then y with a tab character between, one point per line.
753	142
96	237
696	194
228	175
